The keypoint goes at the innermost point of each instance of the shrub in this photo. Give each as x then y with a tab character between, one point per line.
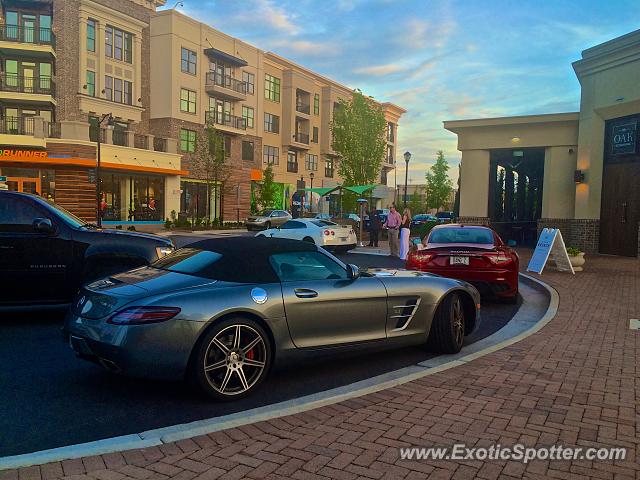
118	227
131	228
573	251
168	224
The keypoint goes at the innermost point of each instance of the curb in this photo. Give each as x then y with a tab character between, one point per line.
519	327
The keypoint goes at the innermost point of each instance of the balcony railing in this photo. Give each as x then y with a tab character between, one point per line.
18	83
120	138
302	138
226	81
212	117
54	130
292	167
141	141
21	34
303	107
17	125
160	144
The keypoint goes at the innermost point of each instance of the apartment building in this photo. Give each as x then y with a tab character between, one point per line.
74	71
270	110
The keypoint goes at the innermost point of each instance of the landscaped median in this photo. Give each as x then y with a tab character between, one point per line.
573	383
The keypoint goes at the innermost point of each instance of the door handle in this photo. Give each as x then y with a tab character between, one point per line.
305	293
624	212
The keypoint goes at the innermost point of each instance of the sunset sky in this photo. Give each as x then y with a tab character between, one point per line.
440	60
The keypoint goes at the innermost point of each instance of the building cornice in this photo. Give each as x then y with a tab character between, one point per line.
613	53
457	125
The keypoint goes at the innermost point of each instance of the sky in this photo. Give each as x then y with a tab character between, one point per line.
438	59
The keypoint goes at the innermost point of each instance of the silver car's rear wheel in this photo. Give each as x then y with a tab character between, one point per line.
233	359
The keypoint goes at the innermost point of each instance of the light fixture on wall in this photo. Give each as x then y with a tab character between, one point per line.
578	176
515	140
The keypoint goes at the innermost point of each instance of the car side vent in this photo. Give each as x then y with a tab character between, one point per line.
403	313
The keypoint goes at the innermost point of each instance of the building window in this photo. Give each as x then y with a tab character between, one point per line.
91	83
91	35
188	61
108	41
316	104
312	162
271	123
117	90
108	87
271	88
187	101
187	140
128	94
328	168
391	132
249	80
390	156
227	145
292	162
270	155
314	138
118	44
247	115
247	150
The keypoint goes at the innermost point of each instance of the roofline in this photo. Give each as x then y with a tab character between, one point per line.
454	125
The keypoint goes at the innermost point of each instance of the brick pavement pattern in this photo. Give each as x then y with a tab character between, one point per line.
574	383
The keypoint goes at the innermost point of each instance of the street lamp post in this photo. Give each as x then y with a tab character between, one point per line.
109	118
407	157
311	175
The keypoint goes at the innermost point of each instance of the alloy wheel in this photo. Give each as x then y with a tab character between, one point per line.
457	320
235	360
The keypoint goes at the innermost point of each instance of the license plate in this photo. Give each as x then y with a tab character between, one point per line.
458	260
343	239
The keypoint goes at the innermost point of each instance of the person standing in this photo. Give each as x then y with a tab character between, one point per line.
405	233
374	228
392	224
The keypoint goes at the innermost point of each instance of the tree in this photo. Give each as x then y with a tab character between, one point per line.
358	130
439	185
416	201
267	191
212	158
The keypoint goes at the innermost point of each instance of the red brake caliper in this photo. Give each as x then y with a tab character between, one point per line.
250	354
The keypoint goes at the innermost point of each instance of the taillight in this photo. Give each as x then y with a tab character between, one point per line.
143	315
329	232
500	258
418	259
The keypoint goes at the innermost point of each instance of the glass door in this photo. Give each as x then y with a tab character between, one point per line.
29	28
28	76
26	185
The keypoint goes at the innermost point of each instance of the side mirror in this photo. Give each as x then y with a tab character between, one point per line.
43	225
353	271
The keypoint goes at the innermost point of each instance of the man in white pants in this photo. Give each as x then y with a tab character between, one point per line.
393	227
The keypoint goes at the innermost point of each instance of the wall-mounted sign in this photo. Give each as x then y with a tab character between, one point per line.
18	153
3	179
624	138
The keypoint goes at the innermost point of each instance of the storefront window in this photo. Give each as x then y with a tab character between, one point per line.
198	201
138	198
148	198
30	180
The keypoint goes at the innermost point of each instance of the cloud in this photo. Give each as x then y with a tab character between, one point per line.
264	14
380	70
306	47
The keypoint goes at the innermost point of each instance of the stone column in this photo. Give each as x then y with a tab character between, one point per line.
474	186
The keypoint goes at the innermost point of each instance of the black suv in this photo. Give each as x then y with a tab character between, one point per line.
47	253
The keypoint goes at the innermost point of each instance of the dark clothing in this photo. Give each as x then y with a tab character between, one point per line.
407	223
375	224
374	236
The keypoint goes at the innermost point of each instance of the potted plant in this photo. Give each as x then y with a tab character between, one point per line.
576	257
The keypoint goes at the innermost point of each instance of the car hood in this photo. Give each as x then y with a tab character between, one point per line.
396	272
130	234
104	296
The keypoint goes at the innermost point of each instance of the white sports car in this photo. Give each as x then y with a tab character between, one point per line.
323	233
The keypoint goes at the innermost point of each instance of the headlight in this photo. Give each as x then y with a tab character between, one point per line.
163	251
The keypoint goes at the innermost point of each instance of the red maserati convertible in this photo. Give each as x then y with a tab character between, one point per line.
472	253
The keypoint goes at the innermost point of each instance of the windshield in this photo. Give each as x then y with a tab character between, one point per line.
323	223
190	261
265	213
480	236
67	216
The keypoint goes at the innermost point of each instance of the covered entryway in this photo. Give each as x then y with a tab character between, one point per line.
620	212
515	193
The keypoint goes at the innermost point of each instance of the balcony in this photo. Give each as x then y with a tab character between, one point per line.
120	138
302	107
231	122
160	144
17	126
27	85
225	86
302	138
292	167
21	34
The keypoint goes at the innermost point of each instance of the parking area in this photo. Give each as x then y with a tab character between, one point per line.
61	400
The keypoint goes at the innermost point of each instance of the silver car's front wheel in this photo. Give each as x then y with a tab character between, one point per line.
233	359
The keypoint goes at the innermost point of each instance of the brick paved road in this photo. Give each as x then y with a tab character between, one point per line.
573	383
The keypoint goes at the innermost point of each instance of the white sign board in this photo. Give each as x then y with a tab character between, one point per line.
550	245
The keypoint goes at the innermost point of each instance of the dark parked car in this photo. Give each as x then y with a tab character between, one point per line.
47	253
445	217
421	218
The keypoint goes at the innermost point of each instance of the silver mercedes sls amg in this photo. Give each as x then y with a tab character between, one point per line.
222	312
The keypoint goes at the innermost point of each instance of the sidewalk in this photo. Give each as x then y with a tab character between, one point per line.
574	383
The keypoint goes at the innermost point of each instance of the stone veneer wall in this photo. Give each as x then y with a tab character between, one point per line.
240	173
473	220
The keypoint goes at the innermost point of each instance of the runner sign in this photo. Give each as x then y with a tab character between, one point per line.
550	245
